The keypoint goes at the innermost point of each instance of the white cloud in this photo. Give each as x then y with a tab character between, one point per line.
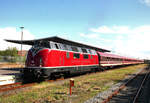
89	35
112	30
13	34
147	2
133	42
102	29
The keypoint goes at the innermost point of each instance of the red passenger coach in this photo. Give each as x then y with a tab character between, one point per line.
110	60
50	57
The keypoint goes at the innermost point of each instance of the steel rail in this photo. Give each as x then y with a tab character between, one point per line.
18	85
120	88
14	86
141	86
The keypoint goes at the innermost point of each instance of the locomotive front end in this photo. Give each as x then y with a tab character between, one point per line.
37	59
38	54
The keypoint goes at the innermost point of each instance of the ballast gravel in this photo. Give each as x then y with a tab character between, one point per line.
99	98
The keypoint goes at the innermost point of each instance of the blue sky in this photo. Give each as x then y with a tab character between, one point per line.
110	24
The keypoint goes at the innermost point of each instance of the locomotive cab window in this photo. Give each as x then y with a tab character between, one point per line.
56	46
44	44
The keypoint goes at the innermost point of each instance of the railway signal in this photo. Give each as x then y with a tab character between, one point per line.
71	85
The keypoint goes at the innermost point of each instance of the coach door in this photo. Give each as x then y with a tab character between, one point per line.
99	59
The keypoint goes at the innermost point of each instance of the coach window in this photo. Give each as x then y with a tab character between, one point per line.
105	58
85	56
102	58
109	58
76	55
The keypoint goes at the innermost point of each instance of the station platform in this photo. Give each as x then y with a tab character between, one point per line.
9	75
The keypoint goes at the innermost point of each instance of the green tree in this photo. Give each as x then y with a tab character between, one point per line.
10	54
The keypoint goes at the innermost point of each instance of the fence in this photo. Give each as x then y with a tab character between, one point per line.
12	59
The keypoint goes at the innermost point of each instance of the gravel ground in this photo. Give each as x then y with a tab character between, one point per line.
104	95
145	93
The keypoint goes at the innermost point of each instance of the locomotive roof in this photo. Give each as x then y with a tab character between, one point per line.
59	40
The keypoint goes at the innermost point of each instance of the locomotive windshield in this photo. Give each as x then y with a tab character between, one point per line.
39	44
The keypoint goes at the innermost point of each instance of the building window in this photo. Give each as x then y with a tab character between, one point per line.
85	56
76	55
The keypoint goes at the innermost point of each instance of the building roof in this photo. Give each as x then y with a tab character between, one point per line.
58	40
22	53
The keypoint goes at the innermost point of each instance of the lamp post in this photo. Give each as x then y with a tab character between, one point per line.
21	40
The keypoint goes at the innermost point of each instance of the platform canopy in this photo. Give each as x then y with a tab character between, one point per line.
58	40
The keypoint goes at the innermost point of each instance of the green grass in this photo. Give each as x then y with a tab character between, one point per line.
86	86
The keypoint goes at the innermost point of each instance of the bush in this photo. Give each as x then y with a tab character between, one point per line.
11	55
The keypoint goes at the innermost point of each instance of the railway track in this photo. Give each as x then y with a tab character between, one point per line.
19	85
14	86
131	91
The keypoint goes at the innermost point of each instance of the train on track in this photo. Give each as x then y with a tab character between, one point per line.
55	56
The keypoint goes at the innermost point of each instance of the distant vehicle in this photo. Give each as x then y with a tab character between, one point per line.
55	56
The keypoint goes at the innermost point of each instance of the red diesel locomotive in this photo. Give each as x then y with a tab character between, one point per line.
55	56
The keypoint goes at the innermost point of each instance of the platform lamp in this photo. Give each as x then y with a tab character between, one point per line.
21	41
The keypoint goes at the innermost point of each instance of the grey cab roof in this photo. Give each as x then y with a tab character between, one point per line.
58	40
